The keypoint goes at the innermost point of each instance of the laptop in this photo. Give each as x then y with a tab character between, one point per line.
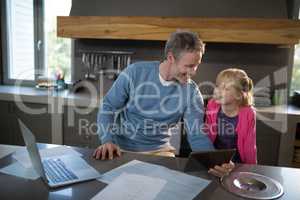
60	170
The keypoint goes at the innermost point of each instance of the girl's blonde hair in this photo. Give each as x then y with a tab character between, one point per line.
240	81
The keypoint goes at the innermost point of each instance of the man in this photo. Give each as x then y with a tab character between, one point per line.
150	97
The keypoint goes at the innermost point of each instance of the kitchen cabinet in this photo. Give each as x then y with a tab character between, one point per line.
35	117
6	122
268	142
80	127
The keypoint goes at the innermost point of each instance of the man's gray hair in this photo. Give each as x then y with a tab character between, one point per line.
183	41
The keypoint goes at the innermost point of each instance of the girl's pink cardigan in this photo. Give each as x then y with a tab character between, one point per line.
245	129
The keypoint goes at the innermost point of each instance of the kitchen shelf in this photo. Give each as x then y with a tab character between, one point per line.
232	30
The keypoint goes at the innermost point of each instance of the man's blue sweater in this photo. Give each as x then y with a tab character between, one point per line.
139	109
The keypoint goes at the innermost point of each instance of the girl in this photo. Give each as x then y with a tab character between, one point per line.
230	117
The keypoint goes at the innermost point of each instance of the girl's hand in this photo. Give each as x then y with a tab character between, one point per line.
222	170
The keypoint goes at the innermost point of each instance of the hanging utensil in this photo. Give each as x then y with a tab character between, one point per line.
93	63
119	64
87	57
128	60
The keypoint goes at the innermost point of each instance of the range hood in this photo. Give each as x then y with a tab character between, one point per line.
233	30
230	21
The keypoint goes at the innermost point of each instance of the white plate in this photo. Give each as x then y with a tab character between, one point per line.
252	185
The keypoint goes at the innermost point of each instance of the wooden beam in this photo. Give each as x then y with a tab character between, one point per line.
234	30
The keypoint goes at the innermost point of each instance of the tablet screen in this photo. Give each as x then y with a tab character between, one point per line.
211	158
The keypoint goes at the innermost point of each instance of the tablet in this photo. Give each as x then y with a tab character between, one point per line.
211	158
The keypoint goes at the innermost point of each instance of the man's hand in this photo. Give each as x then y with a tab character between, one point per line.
222	170
107	150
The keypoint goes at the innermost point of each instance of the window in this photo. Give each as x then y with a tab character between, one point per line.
295	84
296	70
58	50
20	39
31	46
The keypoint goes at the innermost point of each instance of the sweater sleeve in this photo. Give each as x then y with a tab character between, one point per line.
250	151
193	120
115	100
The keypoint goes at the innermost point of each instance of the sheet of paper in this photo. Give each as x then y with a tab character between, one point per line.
179	185
16	169
8	149
23	156
132	187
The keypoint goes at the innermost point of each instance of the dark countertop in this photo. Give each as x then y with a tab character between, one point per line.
44	96
280	109
33	95
17	188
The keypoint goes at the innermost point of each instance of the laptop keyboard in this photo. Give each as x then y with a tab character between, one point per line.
57	172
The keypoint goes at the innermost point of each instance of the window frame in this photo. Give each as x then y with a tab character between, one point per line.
39	56
295	16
